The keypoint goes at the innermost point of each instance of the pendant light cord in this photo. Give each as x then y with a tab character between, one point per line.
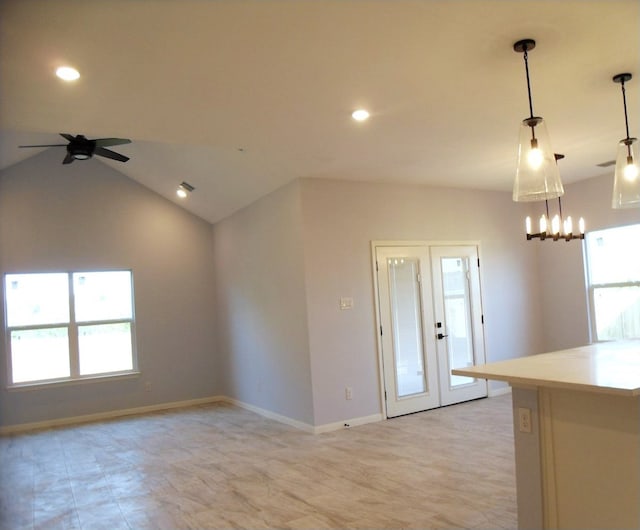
526	66
624	102
626	119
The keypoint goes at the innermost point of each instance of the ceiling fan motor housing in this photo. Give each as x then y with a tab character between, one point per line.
81	148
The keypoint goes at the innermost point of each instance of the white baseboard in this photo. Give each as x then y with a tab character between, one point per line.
318	429
353	422
271	415
87	418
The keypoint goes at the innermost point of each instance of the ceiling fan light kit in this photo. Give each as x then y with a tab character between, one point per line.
626	180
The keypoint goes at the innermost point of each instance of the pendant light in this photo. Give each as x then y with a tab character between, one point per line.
537	175
626	182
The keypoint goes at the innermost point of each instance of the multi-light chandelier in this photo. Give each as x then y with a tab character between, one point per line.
555	228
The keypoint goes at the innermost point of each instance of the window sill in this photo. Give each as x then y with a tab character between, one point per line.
101	378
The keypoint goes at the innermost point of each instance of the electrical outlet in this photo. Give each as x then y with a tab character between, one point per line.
147	386
524	419
348	393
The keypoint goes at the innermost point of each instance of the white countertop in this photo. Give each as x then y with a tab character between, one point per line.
611	368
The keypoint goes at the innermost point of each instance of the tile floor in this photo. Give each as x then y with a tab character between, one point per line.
219	466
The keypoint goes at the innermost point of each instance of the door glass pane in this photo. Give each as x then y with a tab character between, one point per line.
406	318
38	354
102	295
105	348
34	299
457	310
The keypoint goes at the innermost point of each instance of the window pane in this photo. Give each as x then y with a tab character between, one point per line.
102	295
105	348
34	299
617	312
613	255
38	354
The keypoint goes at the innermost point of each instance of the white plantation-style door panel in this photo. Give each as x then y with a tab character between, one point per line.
430	318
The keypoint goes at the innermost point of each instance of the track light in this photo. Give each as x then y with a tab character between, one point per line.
537	175
626	181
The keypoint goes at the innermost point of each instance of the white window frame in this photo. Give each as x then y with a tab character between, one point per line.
591	291
72	327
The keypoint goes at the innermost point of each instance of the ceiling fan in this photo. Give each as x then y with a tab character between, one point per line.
81	148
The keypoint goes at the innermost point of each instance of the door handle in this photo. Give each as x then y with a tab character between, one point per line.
440	336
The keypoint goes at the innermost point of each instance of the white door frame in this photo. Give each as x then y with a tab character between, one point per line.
405	243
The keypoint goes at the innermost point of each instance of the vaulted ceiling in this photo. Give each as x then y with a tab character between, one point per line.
238	97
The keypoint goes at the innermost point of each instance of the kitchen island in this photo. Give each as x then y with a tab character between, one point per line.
576	419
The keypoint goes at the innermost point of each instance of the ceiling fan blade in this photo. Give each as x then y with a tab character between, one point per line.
107	153
47	145
106	142
69	137
68	159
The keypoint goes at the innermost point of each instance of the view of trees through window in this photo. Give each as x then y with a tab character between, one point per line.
613	262
69	325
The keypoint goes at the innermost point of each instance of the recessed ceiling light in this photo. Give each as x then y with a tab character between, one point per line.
360	115
67	73
184	189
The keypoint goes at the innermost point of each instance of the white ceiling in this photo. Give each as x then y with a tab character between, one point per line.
238	97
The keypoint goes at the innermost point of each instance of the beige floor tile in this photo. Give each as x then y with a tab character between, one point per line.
218	466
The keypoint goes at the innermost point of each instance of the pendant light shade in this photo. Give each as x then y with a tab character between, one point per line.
626	182
537	175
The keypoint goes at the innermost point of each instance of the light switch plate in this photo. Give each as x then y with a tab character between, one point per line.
346	303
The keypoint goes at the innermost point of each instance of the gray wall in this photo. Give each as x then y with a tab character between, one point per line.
88	216
249	308
283	263
561	264
262	314
340	221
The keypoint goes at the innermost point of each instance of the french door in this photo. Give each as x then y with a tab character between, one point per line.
430	316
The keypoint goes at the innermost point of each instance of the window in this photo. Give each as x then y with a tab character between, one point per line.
69	325
613	262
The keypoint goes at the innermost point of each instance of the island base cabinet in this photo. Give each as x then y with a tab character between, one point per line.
579	466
